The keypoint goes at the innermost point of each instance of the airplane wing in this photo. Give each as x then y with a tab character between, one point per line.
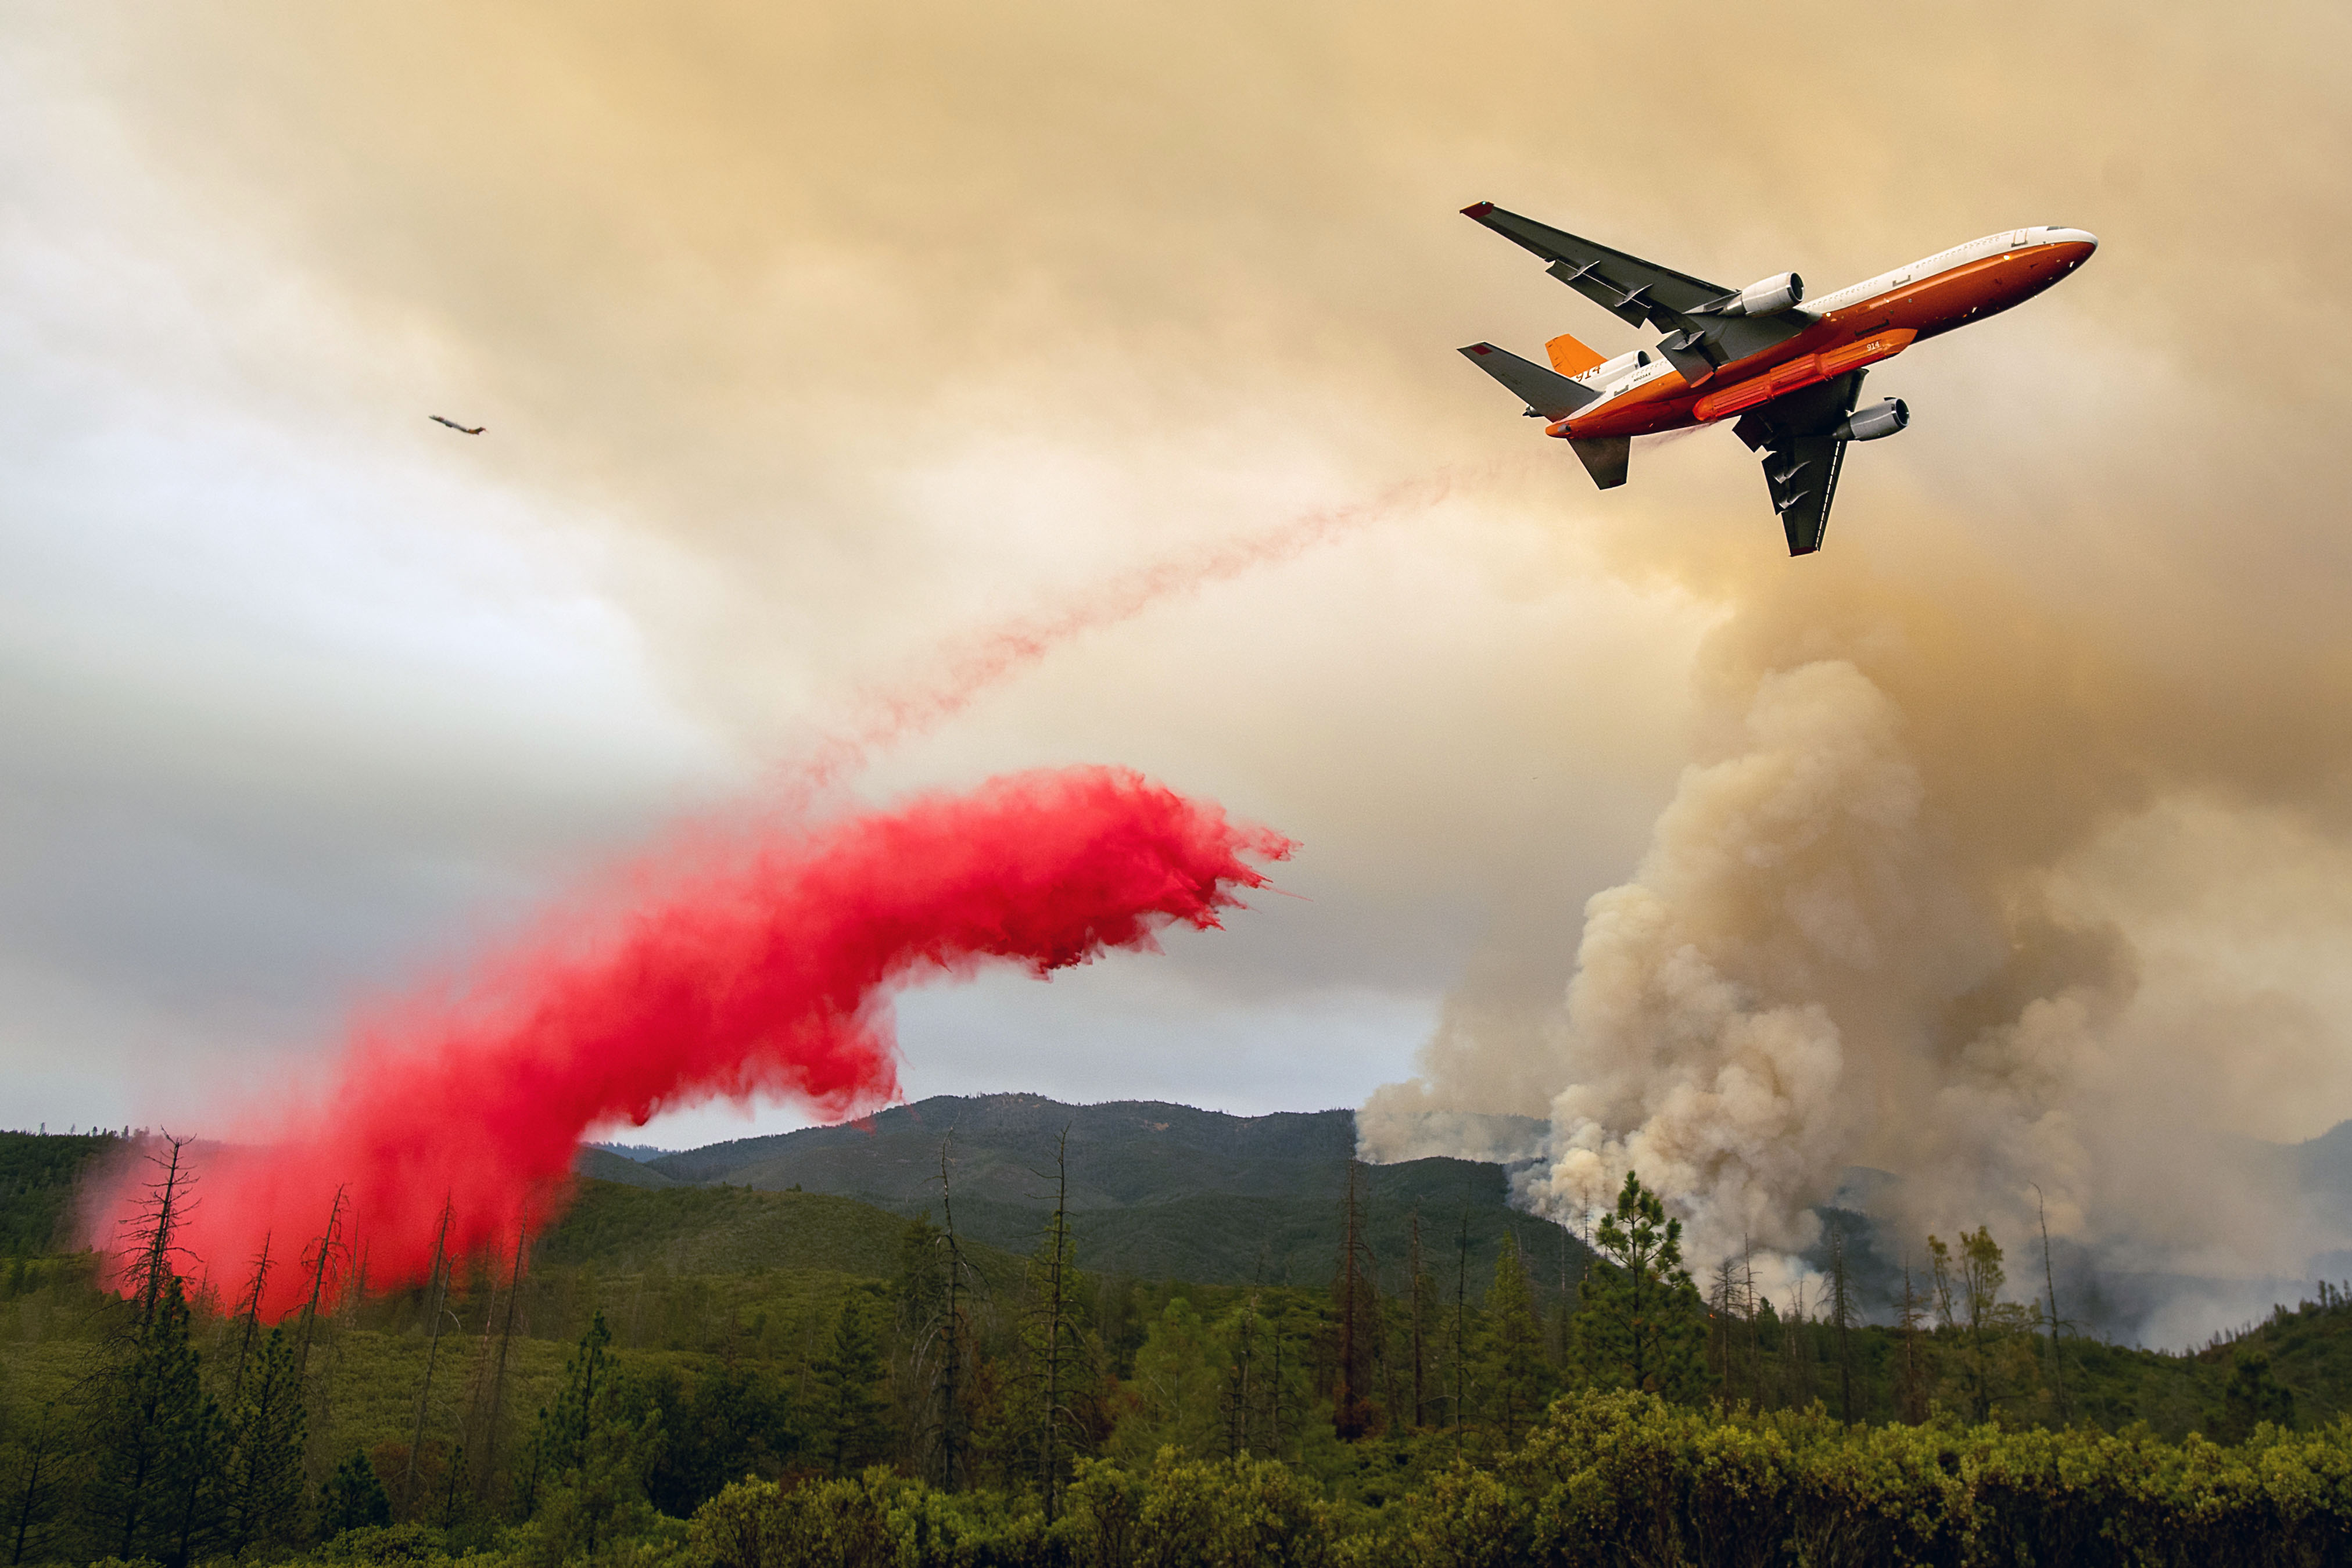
1641	292
1801	459
1637	291
1804	476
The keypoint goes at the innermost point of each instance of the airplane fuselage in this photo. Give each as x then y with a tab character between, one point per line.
1855	327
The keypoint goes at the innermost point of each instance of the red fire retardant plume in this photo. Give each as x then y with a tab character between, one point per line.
768	975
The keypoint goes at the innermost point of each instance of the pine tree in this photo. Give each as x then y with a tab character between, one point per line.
848	1415
2253	1397
1241	1343
600	1497
1639	1326
263	1484
1519	1377
563	1435
590	1456
730	1422
34	1493
154	1440
354	1498
155	1433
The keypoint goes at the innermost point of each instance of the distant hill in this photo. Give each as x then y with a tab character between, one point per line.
603	1164
1121	1153
1157	1190
2324	1164
634	1151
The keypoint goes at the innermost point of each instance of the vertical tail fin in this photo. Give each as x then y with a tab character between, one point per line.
1569	357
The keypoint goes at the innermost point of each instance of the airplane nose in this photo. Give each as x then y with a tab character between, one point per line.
2073	236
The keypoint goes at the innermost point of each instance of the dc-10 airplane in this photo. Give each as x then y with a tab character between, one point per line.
1789	367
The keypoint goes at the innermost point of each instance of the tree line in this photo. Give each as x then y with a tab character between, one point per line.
190	1431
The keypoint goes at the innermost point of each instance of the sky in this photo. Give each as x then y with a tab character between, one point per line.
813	341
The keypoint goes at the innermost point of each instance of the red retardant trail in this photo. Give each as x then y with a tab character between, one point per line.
975	663
768	973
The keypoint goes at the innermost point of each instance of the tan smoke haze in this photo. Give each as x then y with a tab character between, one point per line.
2008	839
1862	935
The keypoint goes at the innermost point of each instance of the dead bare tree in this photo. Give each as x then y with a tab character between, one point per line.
436	1289
1911	1395
1842	1322
250	1311
499	1373
157	1225
949	1334
321	1261
2050	1283
1053	1332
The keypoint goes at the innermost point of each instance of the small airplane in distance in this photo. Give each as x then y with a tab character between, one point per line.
460	429
1789	367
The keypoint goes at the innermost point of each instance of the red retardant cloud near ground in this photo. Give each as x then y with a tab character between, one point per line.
766	971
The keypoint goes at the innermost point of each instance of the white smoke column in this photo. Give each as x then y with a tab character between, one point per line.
1744	1006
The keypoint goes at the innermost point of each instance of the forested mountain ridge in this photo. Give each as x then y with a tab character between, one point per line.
1003	1150
1155	1191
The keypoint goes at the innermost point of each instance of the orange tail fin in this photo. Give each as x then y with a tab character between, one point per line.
1569	357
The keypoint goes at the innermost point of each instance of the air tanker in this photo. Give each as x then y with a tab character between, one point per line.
1785	368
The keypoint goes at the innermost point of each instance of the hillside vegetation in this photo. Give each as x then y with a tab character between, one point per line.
39	1177
1155	1191
899	1395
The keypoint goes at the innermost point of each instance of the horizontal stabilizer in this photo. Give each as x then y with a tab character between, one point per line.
1547	392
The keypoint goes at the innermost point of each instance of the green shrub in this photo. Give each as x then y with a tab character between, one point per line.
394	1543
759	1524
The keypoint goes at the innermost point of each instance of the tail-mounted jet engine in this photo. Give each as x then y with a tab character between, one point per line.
1870	424
1767	296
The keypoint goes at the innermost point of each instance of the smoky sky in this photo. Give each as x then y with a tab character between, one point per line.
810	336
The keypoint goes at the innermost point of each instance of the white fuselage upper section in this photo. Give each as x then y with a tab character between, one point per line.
1629	372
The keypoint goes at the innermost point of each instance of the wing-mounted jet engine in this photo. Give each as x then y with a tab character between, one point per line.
1788	368
1768	296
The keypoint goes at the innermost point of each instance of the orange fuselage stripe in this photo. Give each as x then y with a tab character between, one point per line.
1860	334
